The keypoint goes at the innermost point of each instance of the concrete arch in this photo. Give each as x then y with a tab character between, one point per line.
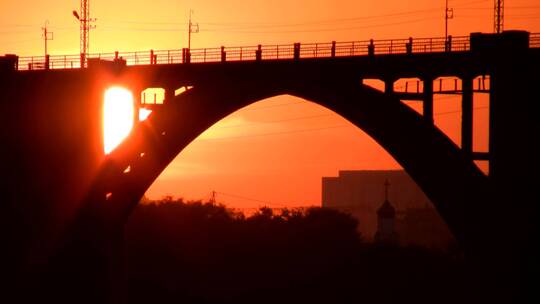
452	182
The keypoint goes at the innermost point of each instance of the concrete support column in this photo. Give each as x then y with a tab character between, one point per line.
137	102
389	86
513	161
428	100
467	116
169	94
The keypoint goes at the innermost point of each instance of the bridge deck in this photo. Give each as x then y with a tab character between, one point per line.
265	52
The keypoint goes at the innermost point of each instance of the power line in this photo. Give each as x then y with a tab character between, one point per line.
250	199
276	121
318	22
246	30
275	27
312	129
320	29
278	133
280	24
275	106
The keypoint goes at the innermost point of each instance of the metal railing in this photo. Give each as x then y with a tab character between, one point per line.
265	52
534	40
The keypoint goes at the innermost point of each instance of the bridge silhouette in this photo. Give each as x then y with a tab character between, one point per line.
262	52
78	198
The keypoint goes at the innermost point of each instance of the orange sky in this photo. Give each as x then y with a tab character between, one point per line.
278	149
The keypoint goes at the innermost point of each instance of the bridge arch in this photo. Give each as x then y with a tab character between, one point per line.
452	182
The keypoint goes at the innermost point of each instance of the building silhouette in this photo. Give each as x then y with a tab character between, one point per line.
359	193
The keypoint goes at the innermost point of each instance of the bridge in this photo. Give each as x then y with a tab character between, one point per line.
262	52
78	199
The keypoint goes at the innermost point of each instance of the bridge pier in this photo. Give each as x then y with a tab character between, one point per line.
169	94
513	161
389	86
467	116
428	100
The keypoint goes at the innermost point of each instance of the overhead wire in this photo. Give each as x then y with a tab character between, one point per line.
251	199
338	24
313	129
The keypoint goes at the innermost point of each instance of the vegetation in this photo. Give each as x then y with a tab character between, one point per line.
195	252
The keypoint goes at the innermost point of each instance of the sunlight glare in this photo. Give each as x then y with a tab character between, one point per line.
144	113
117	117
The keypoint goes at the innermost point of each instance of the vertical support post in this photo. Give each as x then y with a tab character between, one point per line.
371	48
467	116
169	95
389	86
47	61
151	56
333	50
184	55
428	100
223	54
258	53
137	103
408	46
83	60
296	51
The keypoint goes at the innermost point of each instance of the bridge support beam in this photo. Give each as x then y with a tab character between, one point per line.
513	155
428	100
169	94
467	116
389	86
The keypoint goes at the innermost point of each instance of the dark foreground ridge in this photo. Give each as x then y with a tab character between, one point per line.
204	253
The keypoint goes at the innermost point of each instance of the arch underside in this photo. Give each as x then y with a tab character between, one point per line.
453	183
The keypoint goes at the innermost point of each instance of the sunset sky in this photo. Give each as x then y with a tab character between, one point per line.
276	150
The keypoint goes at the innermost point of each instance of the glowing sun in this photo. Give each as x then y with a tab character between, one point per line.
118	114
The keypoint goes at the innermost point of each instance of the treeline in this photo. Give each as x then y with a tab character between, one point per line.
195	252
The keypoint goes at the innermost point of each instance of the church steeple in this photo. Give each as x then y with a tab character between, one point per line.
386	215
386	210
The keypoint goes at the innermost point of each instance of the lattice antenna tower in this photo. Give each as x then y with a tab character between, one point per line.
86	26
499	16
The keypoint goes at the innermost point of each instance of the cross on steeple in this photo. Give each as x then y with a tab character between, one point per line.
386	186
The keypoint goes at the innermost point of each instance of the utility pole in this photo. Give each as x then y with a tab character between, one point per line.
448	14
213	197
86	26
47	36
499	16
192	28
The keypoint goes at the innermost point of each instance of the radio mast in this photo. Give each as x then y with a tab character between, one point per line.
86	26
499	16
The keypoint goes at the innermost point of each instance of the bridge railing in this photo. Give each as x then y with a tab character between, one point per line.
266	52
534	40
